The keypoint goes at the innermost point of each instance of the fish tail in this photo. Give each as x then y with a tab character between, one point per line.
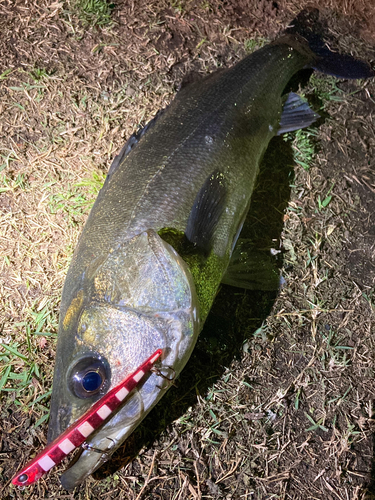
308	26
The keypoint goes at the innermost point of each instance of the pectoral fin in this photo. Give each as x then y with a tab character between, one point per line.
207	209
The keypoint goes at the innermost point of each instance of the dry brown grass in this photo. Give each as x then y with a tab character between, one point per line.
277	401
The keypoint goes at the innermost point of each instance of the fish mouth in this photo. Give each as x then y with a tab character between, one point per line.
93	421
109	436
93	455
75	475
107	439
60	420
126	404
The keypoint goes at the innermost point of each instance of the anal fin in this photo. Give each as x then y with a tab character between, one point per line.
296	114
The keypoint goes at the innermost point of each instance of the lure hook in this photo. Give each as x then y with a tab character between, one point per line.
104	453
169	370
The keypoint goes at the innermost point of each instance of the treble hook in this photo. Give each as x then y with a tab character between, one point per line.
159	373
105	454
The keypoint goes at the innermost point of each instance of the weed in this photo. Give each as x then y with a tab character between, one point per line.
94	12
203	41
324	203
7	183
303	143
94	184
206	5
262	332
5	74
333	353
316	425
39	74
339	399
178	6
23	371
44	319
7	159
303	146
71	202
253	44
298	398
369	297
350	433
325	88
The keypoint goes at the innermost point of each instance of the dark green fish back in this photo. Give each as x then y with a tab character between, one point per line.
222	123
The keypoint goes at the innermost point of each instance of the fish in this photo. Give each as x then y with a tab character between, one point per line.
162	234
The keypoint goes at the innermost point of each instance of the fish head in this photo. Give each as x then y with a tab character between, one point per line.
137	299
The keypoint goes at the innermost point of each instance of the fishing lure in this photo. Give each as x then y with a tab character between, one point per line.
77	433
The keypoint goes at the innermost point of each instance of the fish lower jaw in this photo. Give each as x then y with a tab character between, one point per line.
94	455
101	447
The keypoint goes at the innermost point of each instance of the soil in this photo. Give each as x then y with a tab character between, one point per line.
277	398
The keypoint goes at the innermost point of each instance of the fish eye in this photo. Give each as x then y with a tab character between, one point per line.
92	381
89	376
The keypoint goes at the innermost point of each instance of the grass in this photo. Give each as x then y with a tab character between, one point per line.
25	374
295	395
41	319
334	354
304	148
39	74
13	184
5	73
325	88
178	6
326	200
94	12
315	425
322	90
253	44
49	202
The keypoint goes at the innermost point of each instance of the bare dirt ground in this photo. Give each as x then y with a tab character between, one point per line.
277	400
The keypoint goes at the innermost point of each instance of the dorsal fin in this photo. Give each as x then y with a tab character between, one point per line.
132	142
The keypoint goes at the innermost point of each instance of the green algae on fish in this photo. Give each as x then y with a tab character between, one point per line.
206	271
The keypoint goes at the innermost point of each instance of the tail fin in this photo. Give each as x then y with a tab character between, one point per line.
307	25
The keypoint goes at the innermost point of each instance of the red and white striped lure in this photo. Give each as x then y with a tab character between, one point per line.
76	434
